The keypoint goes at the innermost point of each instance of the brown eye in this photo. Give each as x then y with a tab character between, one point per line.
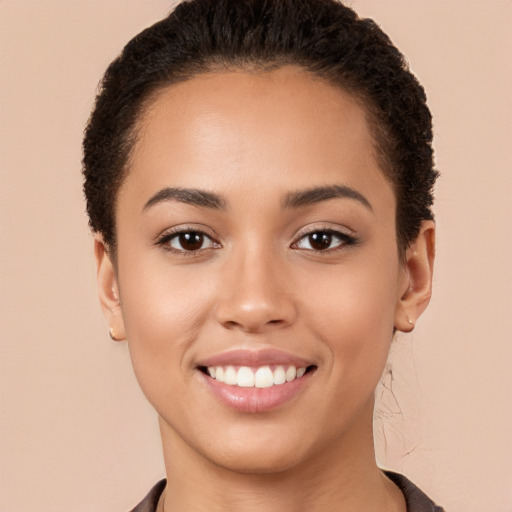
320	241
189	241
323	240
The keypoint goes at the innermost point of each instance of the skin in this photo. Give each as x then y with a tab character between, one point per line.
253	139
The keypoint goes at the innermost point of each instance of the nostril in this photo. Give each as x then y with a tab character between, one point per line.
252	324
254	316
230	324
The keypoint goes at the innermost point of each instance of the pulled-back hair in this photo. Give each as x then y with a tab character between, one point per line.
322	36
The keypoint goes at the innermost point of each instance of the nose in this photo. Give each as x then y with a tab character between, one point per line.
255	294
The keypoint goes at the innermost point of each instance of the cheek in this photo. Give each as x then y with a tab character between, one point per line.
353	313
163	309
359	294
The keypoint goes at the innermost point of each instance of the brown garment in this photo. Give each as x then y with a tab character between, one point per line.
416	500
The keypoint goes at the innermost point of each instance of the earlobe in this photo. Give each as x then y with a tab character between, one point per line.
108	290
417	278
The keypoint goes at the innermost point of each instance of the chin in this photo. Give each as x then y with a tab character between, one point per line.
264	452
258	462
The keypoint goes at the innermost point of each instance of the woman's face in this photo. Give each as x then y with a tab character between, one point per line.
256	236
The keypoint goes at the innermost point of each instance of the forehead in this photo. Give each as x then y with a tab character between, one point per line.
221	129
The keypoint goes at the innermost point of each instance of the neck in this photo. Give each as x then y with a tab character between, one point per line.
343	476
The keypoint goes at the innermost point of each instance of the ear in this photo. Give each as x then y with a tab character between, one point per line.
108	290
416	279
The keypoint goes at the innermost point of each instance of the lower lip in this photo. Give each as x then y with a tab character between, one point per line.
255	400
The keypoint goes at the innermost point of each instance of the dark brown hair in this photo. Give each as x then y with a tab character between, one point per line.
323	36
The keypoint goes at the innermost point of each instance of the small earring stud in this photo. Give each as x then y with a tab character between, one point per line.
112	335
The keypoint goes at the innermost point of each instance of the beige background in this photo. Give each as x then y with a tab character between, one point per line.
75	431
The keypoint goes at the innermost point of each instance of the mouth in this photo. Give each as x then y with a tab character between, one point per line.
265	376
256	381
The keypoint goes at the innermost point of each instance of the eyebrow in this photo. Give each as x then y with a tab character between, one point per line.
318	194
297	199
191	196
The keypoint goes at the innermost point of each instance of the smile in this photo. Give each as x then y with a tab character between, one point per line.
256	381
260	377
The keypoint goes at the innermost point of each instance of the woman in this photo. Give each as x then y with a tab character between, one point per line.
259	180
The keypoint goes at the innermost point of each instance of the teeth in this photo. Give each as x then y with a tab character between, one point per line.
262	377
245	377
230	376
291	374
279	375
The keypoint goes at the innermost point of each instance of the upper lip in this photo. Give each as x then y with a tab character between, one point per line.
244	357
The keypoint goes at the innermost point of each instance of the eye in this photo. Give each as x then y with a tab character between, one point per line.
323	240
187	241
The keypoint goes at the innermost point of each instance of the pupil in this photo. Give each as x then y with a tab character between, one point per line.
320	241
191	241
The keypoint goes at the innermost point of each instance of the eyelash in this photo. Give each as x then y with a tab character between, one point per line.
166	238
343	238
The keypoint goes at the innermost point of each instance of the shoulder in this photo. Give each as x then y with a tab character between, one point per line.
150	502
416	499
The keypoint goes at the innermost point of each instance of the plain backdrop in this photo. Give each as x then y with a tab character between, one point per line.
75	431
